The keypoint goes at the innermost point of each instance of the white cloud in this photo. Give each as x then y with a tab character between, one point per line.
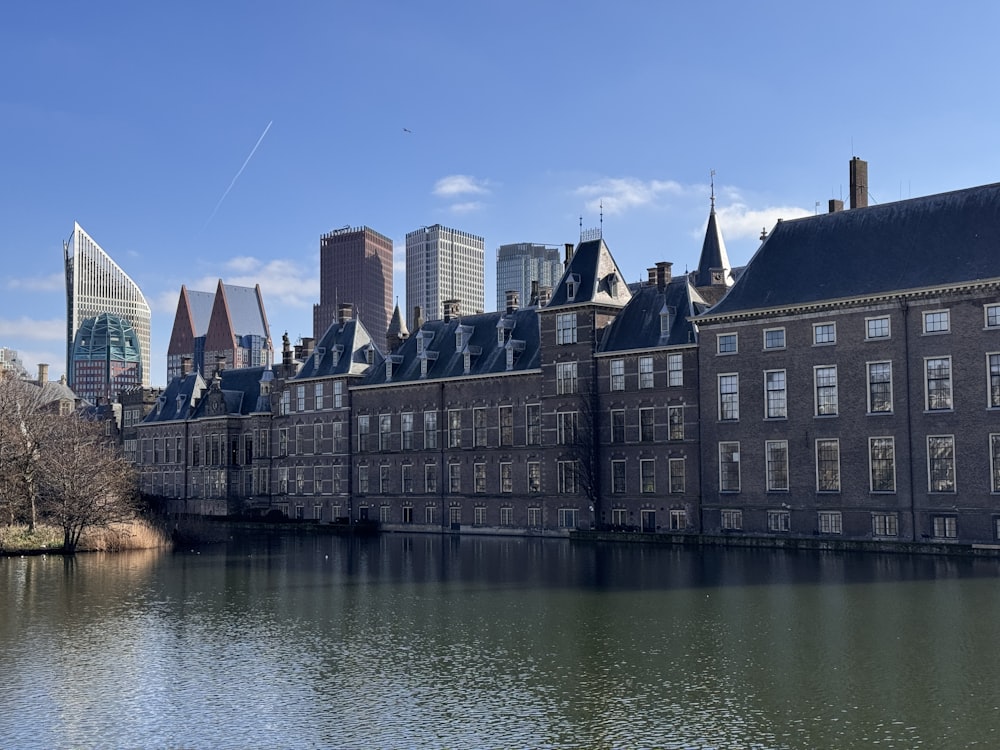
52	283
461	184
38	330
466	207
619	194
283	283
242	264
739	220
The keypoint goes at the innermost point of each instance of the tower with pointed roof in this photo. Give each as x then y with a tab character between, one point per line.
713	270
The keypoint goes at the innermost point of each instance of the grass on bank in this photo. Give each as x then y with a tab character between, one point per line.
118	537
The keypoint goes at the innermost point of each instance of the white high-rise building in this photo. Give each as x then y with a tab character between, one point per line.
520	264
95	284
443	264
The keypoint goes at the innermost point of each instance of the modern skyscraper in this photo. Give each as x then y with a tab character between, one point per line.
106	358
355	266
95	284
443	264
522	263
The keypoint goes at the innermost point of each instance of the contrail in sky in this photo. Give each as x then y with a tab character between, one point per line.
252	152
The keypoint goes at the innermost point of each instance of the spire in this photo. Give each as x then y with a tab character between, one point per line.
397	332
713	265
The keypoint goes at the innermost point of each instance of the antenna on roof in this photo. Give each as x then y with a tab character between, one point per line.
581	227
601	204
712	180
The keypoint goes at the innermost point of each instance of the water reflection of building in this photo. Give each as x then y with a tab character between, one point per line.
834	388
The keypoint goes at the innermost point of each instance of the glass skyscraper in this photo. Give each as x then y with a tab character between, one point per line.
443	264
521	263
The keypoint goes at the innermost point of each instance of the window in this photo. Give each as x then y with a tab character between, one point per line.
534	518
479	515
729	397
775	396
567	518
995	461
678	520
619	517
726	343
533	424
646	424
506	516
677	473
937	321
534	476
430	430
732	520
455	514
882	458
729	467
384	432
618	374
993	372
938	383
479	426
675	418
383	479
362	479
566	427
618	477
406	478
617	425
566	328
992	313
774	338
885	524
454	477
429	514
675	369
567	477
506	417
285	405
479	477
300	398
566	378
506	481
364	433
430	478
406	430
454	428
338	394
318	396
944	527
647	475
830	522
879	387
778	520
824	333
941	463
776	452
645	372
407	514
825	379
828	465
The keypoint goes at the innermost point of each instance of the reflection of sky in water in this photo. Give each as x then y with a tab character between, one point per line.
426	641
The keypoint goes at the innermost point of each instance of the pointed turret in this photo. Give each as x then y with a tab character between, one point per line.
396	333
713	265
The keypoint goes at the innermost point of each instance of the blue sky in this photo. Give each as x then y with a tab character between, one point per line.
134	119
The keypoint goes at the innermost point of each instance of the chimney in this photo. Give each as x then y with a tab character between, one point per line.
836	205
533	302
345	312
652	275
568	248
418	318
286	352
663	273
450	309
544	295
220	363
512	301
186	363
308	343
859	183
43	374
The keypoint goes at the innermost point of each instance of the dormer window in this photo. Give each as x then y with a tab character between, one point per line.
390	362
666	319
612	282
320	353
571	286
336	352
462	336
467	361
369	354
425	358
180	401
514	349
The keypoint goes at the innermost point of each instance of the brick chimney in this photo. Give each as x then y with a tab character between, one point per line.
43	374
568	249
544	295
836	205
451	307
533	301
512	301
859	183
663	273
652	275
418	318
345	312
186	363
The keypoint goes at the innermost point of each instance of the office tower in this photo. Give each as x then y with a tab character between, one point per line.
520	264
443	264
355	267
95	284
106	358
10	361
227	327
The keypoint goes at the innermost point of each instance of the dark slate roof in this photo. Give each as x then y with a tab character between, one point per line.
354	340
944	239
240	388
439	339
713	252
599	278
167	409
638	325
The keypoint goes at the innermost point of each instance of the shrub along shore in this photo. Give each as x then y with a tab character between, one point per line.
118	537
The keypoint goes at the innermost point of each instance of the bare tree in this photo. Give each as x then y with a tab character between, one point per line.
24	425
582	447
86	481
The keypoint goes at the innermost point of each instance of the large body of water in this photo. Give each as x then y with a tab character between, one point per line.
411	641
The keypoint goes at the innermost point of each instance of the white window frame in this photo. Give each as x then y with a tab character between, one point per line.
729	455
833	483
675	370
826	394
727	343
645	372
874	444
991	316
729	400
779	521
566	328
825	333
830	522
776	466
936	321
870	371
945	484
770	345
947	390
873	327
616	372
776	407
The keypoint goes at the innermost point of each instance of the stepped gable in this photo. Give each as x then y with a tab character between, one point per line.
638	326
592	276
933	241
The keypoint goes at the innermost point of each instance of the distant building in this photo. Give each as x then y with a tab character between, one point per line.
355	267
11	362
521	264
443	264
227	327
95	284
106	358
